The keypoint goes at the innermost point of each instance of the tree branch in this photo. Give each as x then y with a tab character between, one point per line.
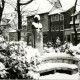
3	2
50	2
26	2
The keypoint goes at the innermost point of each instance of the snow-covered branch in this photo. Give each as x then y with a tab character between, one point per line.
26	2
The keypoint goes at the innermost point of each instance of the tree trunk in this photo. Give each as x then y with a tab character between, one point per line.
20	17
74	24
19	20
75	30
1	9
1	13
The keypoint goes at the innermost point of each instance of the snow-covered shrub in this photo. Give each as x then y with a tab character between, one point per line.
3	72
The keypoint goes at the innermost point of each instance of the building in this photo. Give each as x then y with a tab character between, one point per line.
54	23
69	32
59	21
43	11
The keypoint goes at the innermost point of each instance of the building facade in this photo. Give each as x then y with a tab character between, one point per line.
59	21
54	25
69	32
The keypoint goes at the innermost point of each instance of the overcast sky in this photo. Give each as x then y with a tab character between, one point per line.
11	5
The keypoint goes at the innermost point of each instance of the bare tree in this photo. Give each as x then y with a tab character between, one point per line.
74	23
1	8
20	17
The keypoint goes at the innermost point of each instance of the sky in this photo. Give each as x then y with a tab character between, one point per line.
43	4
11	4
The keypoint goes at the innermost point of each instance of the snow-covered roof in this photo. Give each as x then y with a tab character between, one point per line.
76	13
57	11
77	8
40	9
76	21
60	10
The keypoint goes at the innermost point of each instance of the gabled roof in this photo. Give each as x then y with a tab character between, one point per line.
59	10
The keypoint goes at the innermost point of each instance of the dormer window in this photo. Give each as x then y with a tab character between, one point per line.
57	27
61	27
61	17
52	18
52	27
56	17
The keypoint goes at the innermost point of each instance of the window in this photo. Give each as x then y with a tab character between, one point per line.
52	27
61	27
61	17
57	27
52	18
56	17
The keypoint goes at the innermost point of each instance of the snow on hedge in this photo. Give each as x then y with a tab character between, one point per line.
17	56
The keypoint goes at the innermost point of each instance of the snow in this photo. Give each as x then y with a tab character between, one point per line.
37	7
67	3
47	55
12	30
52	66
34	5
57	11
76	21
2	66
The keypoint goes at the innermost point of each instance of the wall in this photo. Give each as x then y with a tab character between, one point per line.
68	18
57	33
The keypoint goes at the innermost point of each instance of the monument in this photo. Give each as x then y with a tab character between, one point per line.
37	34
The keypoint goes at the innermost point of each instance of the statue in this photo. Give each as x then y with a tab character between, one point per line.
37	34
